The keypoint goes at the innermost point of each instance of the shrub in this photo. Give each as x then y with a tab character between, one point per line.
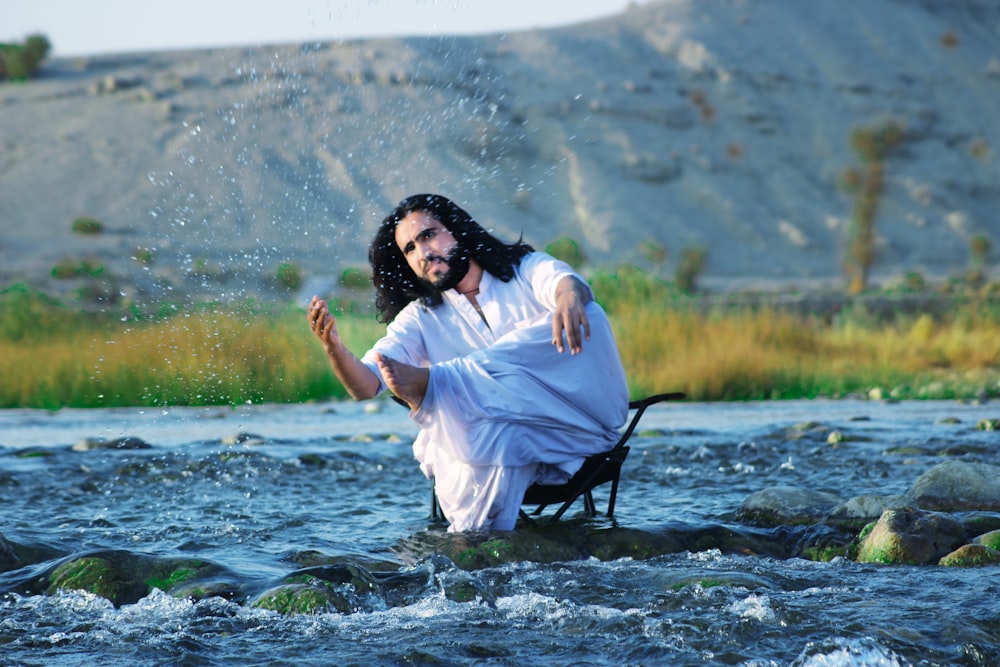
289	275
628	287
914	282
979	149
653	252
979	248
691	265
74	268
85	225
26	313
143	255
567	250
19	61
354	277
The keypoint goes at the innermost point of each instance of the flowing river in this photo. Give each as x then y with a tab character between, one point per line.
261	492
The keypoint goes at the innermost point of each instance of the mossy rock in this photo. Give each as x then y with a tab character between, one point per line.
990	540
299	599
96	575
906	536
168	575
826	553
342	588
971	555
486	554
616	543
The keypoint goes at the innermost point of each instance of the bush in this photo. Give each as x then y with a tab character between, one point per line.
143	255
28	313
568	251
355	278
690	268
653	252
74	268
19	61
979	248
290	275
628	287
84	225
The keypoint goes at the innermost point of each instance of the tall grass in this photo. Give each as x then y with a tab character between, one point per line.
51	356
204	357
767	354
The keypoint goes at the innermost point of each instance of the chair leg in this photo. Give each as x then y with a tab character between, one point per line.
613	496
588	504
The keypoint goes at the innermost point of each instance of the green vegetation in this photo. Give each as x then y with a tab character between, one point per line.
85	225
872	146
289	275
53	356
143	255
74	268
979	248
567	250
690	267
18	62
355	278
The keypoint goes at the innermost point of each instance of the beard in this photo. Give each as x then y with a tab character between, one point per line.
458	266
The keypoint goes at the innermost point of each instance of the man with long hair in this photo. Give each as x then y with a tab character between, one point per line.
476	344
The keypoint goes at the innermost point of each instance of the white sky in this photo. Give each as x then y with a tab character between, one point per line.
87	27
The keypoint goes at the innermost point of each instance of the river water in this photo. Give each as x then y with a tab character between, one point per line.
262	491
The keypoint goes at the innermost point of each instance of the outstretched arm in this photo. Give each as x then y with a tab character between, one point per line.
570	315
357	378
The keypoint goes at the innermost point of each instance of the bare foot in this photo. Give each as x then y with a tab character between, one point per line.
406	381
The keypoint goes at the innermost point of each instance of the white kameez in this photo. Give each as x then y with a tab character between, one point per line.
503	407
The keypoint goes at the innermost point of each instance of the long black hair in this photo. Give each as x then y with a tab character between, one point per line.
396	284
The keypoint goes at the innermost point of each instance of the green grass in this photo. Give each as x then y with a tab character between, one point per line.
53	356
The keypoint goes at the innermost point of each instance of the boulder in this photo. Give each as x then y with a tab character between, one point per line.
8	557
958	486
859	511
126	442
787	505
971	555
907	536
990	539
342	588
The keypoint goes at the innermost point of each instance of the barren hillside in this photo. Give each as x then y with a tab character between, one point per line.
720	124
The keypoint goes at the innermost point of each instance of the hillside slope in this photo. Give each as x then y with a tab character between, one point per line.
719	124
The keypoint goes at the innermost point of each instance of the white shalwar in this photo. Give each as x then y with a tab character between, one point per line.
503	407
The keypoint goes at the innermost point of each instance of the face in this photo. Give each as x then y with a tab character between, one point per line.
431	250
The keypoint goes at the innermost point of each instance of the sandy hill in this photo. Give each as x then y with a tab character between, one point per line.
719	124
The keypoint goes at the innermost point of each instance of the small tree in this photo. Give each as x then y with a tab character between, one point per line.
689	269
872	145
19	61
979	248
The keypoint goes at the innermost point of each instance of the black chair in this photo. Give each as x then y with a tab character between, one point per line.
597	469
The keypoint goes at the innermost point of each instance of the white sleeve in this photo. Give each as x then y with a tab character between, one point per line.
403	341
543	272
